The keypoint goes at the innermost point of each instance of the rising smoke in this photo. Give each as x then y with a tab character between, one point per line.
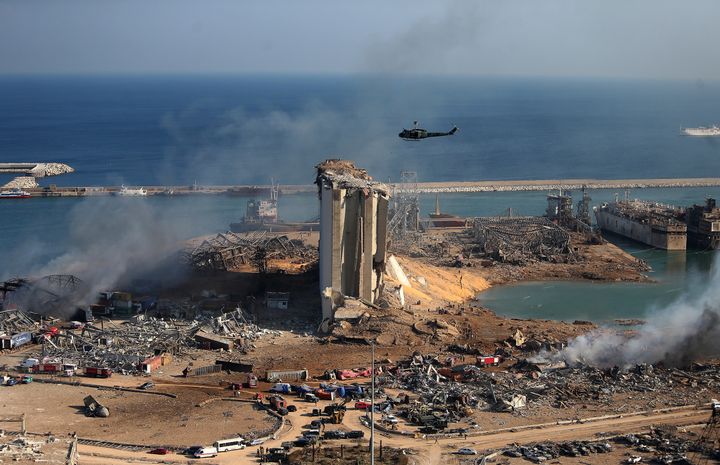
250	146
686	330
111	242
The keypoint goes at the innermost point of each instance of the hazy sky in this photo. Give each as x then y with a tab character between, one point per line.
622	38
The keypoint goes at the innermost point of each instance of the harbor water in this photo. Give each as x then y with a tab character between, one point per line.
175	130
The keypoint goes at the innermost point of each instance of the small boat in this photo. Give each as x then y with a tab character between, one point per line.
15	194
132	192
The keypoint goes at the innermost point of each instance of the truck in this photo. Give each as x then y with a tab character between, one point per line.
98	372
283	388
49	368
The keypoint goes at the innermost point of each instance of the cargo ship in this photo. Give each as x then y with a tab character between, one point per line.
262	215
713	130
703	225
445	220
651	223
15	194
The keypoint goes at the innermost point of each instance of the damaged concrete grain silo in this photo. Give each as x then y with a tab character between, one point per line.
353	232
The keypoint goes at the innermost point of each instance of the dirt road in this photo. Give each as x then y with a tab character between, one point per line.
430	452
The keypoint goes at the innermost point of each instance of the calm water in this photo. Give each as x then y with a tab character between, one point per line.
237	130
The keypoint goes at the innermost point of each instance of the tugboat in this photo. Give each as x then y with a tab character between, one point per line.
15	194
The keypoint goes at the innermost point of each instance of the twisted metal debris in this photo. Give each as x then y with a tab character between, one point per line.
229	251
522	239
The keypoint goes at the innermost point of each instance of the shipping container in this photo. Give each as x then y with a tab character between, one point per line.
200	371
286	375
49	368
151	364
98	372
325	395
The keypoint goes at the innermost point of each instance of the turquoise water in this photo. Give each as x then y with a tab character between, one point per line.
675	273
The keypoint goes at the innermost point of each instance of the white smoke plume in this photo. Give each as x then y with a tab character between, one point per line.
686	330
247	146
111	241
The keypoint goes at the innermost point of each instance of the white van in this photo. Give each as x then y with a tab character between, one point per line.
206	452
225	445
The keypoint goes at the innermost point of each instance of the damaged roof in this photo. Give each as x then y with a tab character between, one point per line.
344	174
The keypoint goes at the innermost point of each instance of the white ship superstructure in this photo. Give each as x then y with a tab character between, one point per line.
132	192
713	130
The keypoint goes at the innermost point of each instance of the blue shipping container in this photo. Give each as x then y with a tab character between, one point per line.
19	339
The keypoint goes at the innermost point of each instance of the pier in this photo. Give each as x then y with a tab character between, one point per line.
422	187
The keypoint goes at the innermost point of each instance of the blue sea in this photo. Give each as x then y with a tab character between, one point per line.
180	130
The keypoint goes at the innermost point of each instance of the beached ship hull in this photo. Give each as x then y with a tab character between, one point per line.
658	232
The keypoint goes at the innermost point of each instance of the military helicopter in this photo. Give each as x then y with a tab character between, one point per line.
417	133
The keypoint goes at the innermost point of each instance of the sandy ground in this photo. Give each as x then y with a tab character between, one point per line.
134	418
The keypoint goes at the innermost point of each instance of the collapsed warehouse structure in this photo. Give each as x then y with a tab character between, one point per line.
141	346
522	239
353	234
229	251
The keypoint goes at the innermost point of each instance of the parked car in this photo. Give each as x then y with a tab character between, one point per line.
334	435
160	451
11	382
148	385
316	423
302	442
257	442
467	451
191	450
357	434
362	405
312	398
26	379
392	419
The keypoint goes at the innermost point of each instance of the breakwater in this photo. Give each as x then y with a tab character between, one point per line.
423	187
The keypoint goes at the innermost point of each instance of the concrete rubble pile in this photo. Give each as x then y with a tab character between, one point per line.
448	399
21	449
229	251
450	393
124	347
561	386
